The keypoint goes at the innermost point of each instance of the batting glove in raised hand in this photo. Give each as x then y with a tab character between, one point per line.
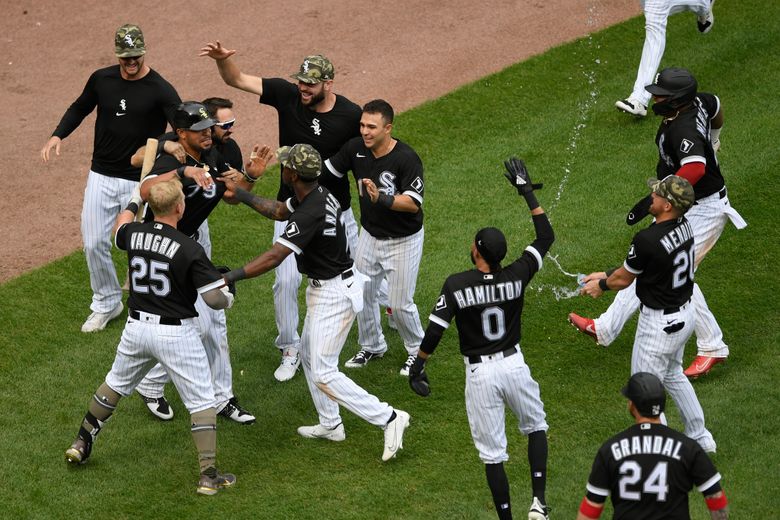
418	379
517	174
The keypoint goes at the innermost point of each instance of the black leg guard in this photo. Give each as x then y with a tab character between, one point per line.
537	460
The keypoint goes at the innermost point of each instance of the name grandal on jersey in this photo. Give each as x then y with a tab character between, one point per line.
487	294
646	445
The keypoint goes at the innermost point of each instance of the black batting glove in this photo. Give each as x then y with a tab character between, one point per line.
517	174
418	379
231	285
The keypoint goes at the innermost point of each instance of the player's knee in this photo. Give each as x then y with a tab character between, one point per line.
95	243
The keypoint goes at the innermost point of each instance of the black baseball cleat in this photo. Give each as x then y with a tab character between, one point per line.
158	406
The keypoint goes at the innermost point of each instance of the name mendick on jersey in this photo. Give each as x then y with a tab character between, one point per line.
153	242
486	294
676	237
646	445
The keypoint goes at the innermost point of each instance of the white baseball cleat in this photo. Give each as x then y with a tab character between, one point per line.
538	511
704	23
291	360
319	431
394	434
632	106
158	406
98	320
407	365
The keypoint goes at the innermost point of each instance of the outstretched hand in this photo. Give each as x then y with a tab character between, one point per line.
517	174
258	160
216	51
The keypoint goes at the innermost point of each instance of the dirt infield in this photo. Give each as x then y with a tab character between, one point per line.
406	52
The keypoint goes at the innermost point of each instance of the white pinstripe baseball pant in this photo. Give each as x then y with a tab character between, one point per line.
656	14
398	260
329	316
104	198
492	384
708	217
177	348
661	354
212	326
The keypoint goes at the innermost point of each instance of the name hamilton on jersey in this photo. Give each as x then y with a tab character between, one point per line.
646	445
153	242
676	237
488	294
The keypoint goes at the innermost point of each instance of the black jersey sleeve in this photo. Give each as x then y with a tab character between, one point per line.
120	238
412	183
638	255
79	109
301	228
277	92
444	310
598	485
341	163
169	99
205	276
710	102
163	164
703	472
687	144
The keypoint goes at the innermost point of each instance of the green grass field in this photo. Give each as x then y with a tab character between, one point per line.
555	111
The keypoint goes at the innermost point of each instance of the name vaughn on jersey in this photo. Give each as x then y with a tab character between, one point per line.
154	243
486	294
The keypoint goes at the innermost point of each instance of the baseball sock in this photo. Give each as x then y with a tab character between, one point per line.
537	460
204	433
499	487
101	407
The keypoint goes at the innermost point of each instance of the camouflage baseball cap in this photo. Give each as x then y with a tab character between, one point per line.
302	158
677	190
315	69
129	41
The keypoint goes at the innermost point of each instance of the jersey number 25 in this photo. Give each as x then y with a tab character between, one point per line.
149	275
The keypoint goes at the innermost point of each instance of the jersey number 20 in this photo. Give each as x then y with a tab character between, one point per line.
684	272
149	275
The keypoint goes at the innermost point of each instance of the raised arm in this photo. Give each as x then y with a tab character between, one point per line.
229	71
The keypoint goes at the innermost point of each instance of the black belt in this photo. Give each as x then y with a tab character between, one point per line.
478	359
346	275
164	320
721	194
670	310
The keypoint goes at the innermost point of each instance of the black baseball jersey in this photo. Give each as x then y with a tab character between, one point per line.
316	235
648	470
685	139
326	132
661	256
167	269
199	203
400	172
128	113
487	306
230	152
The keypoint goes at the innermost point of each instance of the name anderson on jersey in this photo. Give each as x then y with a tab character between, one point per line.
154	243
676	237
332	208
646	445
486	294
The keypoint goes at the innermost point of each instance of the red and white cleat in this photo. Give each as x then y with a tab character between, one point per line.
702	365
584	325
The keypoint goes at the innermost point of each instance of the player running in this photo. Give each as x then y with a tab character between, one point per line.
487	303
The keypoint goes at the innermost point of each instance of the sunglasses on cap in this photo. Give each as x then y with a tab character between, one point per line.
227	125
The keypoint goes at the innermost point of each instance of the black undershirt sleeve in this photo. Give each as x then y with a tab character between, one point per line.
545	236
78	110
433	335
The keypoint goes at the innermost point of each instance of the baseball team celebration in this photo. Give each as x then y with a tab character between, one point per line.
305	304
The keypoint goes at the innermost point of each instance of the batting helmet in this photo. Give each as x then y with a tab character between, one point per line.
192	115
677	85
647	393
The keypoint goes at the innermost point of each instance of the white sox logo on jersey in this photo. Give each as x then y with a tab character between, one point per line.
387	180
417	185
291	230
315	125
441	303
632	252
122	107
686	145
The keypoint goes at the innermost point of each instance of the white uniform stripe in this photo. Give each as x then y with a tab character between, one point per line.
536	255
438	321
597	490
333	170
413	194
286	243
711	482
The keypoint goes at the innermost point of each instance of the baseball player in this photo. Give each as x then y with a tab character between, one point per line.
315	234
133	103
649	468
656	14
661	259
487	303
389	174
194	131
687	140
310	112
167	271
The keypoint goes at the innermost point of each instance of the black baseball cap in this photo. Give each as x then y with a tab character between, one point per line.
491	244
647	393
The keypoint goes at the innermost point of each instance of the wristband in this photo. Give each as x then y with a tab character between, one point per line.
234	275
603	284
610	271
385	200
716	504
530	199
180	172
249	178
132	208
589	510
